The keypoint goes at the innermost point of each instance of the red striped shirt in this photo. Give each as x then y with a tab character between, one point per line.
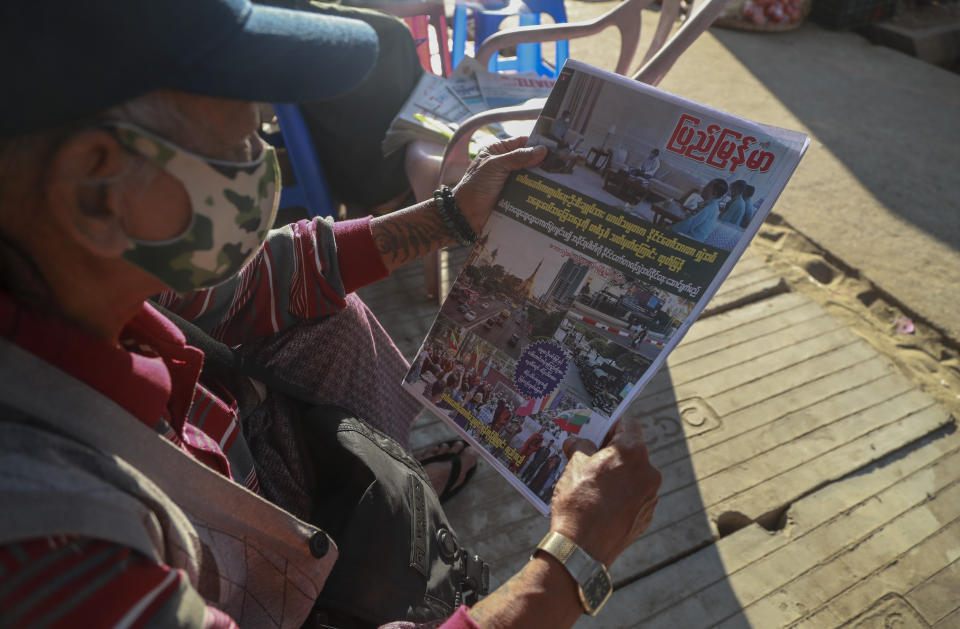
70	582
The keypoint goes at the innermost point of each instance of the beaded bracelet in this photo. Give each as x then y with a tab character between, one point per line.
452	216
457	214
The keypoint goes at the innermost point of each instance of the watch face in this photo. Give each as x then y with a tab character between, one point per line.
595	591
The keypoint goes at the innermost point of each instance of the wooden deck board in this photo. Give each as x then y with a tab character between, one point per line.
843	548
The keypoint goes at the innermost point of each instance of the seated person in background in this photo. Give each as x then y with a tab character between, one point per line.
735	208
348	129
748	208
699	225
130	166
560	160
648	167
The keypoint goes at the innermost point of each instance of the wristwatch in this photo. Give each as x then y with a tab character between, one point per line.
592	578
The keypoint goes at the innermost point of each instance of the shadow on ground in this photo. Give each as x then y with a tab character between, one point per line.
889	118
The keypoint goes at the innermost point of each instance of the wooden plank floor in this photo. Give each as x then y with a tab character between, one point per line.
881	545
767	423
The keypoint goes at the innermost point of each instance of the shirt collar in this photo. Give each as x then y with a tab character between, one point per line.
152	376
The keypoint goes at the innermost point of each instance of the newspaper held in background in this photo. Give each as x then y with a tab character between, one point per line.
463	81
593	267
438	105
504	90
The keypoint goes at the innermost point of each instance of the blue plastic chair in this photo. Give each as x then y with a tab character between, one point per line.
487	21
310	191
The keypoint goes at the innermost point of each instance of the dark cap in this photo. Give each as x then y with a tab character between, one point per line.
67	59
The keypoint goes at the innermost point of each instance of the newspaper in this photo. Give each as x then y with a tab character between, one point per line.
430	113
437	105
504	90
593	267
463	81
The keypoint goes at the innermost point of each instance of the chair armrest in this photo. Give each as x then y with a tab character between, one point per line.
627	18
457	148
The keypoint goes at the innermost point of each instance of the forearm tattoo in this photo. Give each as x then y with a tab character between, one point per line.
409	234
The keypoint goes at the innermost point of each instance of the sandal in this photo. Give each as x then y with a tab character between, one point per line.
451	489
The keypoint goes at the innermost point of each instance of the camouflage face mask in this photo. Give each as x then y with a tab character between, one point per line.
234	205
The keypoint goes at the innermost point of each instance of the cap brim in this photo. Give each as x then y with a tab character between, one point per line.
284	56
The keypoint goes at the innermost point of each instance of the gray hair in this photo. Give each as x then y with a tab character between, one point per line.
157	113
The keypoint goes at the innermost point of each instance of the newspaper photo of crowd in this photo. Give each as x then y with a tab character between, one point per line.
538	443
459	370
470	381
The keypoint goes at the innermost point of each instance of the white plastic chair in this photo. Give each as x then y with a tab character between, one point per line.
430	164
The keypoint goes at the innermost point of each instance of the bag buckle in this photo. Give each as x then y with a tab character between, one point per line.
475	580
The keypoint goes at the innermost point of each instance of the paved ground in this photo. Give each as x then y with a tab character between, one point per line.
878	187
810	453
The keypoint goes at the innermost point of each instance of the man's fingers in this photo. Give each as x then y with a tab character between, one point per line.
626	429
627	432
519	158
572	445
644	518
505	146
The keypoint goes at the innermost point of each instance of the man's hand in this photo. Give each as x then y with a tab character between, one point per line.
603	501
480	186
605	498
403	236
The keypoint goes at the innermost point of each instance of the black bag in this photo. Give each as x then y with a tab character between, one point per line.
399	558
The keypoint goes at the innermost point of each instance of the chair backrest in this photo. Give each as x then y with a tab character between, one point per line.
310	191
627	18
418	15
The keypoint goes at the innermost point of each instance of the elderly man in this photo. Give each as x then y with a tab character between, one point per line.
130	166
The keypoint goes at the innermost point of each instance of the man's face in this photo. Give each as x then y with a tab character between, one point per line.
211	127
225	129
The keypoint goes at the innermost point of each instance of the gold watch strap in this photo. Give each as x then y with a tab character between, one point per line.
558	545
591	576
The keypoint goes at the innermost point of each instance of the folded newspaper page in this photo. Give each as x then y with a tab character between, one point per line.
593	267
437	105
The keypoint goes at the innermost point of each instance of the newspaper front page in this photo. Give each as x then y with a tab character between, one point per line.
593	267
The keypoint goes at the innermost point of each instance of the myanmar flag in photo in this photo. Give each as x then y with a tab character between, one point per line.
572	421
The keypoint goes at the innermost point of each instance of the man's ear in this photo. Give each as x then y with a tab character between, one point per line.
80	194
